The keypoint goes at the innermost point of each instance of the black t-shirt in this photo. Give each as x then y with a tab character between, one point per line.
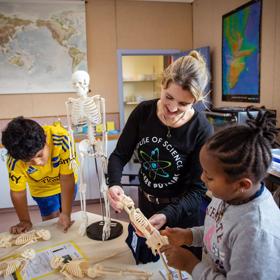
169	165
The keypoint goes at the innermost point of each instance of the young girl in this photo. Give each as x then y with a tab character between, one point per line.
241	235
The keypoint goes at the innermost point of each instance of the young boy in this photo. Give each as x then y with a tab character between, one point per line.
39	156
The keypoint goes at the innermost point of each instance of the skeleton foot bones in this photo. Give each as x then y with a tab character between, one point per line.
81	269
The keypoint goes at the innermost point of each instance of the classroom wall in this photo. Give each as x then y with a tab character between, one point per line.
112	25
207	30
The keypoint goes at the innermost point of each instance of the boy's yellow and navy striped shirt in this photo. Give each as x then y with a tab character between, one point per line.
43	180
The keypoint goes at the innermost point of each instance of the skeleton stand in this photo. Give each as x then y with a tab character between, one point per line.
91	111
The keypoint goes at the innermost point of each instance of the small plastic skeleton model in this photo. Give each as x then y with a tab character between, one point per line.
9	266
90	112
154	239
9	240
81	269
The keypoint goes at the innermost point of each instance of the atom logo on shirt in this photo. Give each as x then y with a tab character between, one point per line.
154	165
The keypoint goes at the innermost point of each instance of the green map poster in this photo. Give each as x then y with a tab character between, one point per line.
241	53
41	44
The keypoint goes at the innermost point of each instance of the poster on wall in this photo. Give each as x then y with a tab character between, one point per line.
41	44
241	37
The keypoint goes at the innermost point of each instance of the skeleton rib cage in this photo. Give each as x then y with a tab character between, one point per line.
85	110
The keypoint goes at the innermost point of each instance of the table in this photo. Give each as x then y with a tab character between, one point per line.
94	250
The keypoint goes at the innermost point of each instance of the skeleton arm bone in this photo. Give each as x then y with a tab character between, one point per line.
73	163
83	151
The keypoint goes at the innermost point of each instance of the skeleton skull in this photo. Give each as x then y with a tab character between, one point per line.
80	82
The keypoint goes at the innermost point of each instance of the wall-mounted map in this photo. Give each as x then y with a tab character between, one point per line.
241	53
41	45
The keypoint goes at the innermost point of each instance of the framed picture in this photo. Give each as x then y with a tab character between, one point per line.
241	37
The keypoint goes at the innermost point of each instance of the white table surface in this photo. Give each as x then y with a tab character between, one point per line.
94	250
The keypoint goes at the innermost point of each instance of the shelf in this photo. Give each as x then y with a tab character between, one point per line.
131	102
139	80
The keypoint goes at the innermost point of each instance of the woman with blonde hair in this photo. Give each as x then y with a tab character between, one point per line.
167	134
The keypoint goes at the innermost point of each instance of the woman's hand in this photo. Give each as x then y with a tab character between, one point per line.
158	220
178	236
180	258
115	194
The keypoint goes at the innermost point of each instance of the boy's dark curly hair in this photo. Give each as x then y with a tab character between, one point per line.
23	138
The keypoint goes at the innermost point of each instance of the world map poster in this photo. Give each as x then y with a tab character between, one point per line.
41	44
241	53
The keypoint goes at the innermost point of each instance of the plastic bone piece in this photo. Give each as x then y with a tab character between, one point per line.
98	270
89	111
154	239
6	241
24	238
9	266
81	269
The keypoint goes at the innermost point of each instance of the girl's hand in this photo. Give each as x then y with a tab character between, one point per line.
180	258
178	236
114	195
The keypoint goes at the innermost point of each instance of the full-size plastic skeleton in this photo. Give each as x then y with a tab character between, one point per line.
154	239
89	111
81	269
9	266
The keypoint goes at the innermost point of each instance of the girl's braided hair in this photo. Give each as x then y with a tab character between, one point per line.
245	150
